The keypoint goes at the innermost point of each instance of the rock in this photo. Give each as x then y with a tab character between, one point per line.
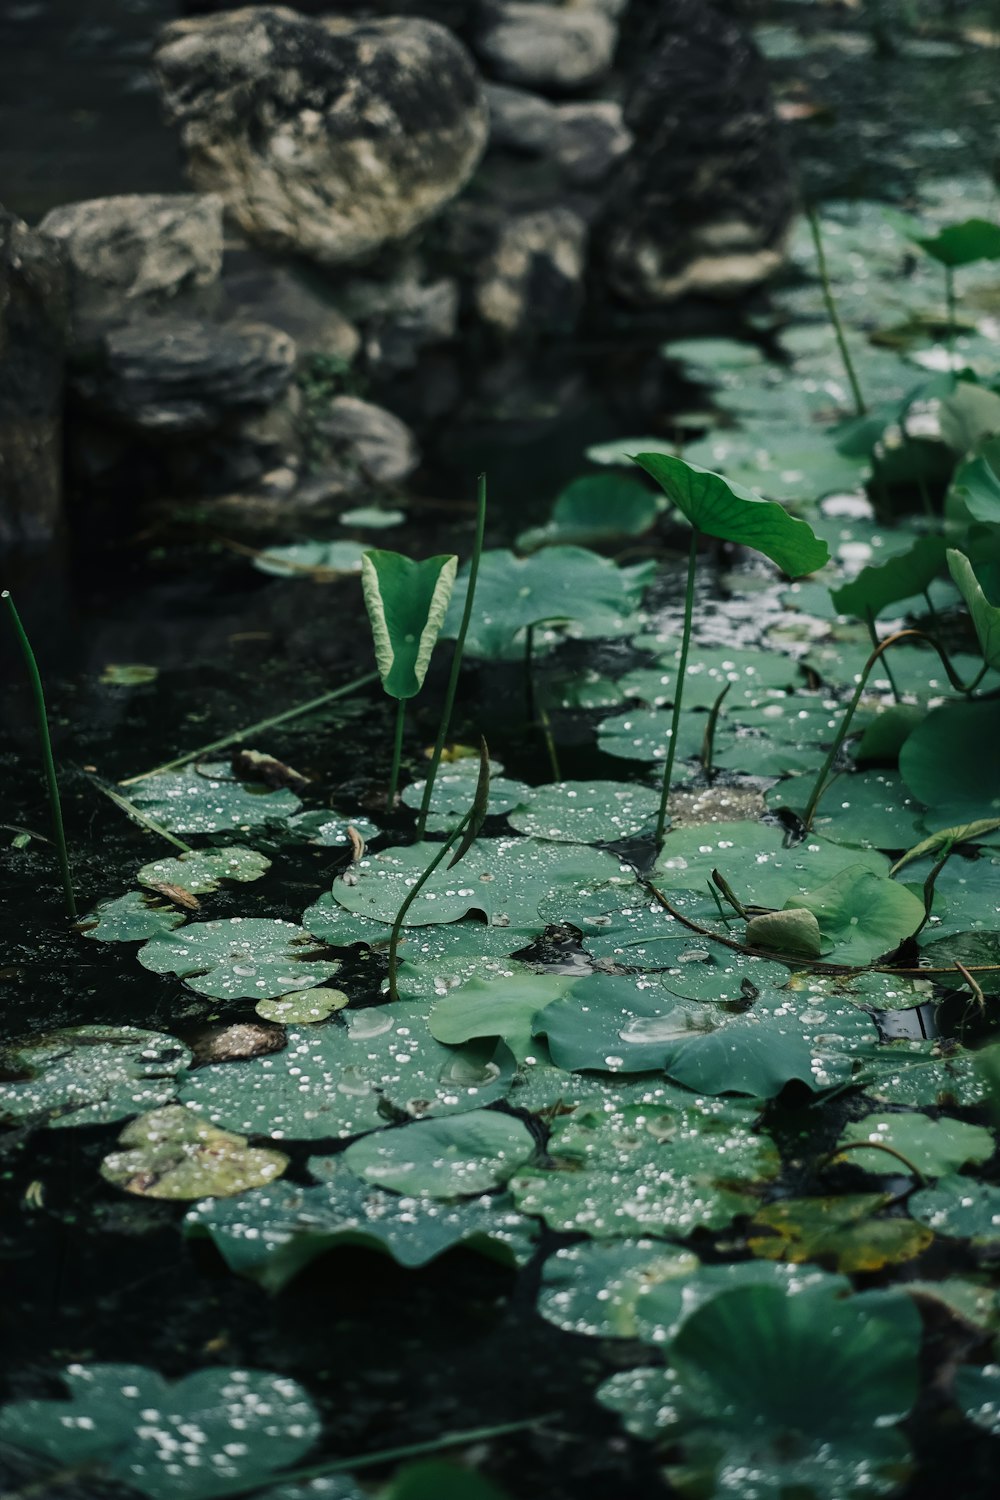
327	138
554	47
702	202
172	376
136	251
589	140
369	440
257	289
533	280
402	314
520	120
33	319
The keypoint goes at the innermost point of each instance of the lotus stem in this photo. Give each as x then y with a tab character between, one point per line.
675	722
873	637
949	295
456	661
397	753
412	895
911	1166
48	761
708	743
529	676
833	315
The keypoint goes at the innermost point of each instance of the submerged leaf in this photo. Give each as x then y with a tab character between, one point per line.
88	1075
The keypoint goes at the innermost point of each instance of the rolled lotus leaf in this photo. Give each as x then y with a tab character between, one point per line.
406	603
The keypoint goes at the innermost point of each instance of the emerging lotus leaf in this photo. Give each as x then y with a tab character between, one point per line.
406	602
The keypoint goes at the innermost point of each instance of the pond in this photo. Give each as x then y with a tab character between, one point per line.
672	1167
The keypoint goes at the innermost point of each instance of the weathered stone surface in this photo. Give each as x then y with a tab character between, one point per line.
551	47
583	140
369	440
258	289
136	251
325	137
702	201
402	314
33	316
175	376
533	280
520	120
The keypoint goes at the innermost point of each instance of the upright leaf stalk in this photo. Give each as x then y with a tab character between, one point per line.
833	314
675	722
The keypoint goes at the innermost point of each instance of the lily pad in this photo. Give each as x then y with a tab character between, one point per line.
585	812
203	870
977	1394
961	1208
455	941
921	1075
663	1171
862	915
751	677
504	1008
172	1154
944	767
644	734
935	1147
256	957
844	1230
329	830
303	1007
596	1287
233	1426
769	1392
89	1075
207	798
271	1234
461	1157
130	919
311	559
455	788
594	509
868	809
754	860
627	926
344	1079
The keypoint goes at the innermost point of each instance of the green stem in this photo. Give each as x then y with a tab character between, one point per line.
873	1146
949	292
873	637
708	743
545	724
48	761
833	315
412	896
529	676
456	662
397	753
675	722
258	728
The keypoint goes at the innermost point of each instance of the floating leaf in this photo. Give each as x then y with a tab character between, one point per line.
89	1075
203	870
755	861
969	416
206	798
844	1230
343	1079
586	812
768	1392
454	789
257	957
454	941
644	734
128	674
130	919
172	1154
329	830
944	766
961	1208
596	1287
460	1157
919	1074
303	1007
977	1394
752	677
271	1234
406	602
780	460
596	508
318	561
862	915
504	1008
901	577
232	1426
729	511
935	1147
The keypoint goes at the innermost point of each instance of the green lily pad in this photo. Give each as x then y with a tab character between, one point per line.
973	1302
130	919
627	926
887	733
867	809
644	734
303	559
257	957
768	1392
961	1208
271	1234
504	1008
329	830
594	509
203	870
233	1426
977	1394
844	1230
128	674
88	1075
460	1157
935	1147
172	1154
584	688
303	1007
752	677
559	584
943	765
862	915
452	941
503	878
977	951
344	1079
753	859
455	788
373	516
632	1169
780	461
585	812
208	799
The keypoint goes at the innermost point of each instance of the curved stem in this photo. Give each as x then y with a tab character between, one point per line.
48	761
456	662
833	315
831	1156
412	896
675	722
397	753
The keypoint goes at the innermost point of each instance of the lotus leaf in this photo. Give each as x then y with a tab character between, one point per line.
769	1393
203	870
904	576
257	957
594	509
233	1426
131	919
308	559
504	1008
664	1170
329	830
935	1147
455	787
975	488
862	915
751	677
844	1230
206	798
460	1157
961	1208
754	860
303	1007
919	1074
585	812
644	734
977	1394
454	941
782	462
343	1079
172	1154
431	978
627	926
271	1234
406	602
89	1075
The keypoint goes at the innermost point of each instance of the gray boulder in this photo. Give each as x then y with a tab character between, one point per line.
532	282
558	48
33	317
369	441
702	202
174	377
327	138
583	141
136	251
520	121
